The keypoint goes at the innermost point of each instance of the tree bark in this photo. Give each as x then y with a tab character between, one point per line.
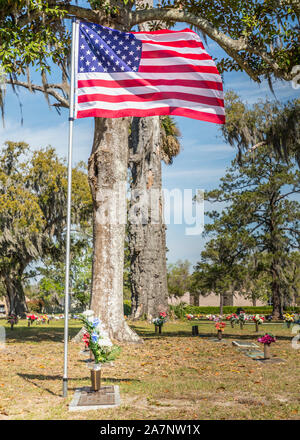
147	237
107	171
15	295
276	293
221	303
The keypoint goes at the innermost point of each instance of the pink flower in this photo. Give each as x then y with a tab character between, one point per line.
267	339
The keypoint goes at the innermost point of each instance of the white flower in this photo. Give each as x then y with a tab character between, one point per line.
88	313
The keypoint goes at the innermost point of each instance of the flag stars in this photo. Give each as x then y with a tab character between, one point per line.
107	50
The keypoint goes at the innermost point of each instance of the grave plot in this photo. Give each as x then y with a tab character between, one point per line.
86	400
252	350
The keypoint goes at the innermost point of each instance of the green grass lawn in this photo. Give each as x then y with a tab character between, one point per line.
169	376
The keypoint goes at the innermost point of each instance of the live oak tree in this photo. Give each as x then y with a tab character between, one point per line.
260	39
266	123
179	278
52	276
33	213
221	270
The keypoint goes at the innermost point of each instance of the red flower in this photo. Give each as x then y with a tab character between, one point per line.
86	339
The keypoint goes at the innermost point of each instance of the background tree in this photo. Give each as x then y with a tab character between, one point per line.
179	278
266	123
261	189
257	278
33	213
220	270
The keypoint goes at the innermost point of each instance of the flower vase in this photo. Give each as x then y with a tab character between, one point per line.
219	335
267	351
288	324
256	326
28	323
96	377
158	329
241	325
232	324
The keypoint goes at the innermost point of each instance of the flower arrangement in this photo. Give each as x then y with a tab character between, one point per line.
220	326
258	319
44	318
242	319
97	340
288	317
267	339
161	319
12	320
210	317
189	317
233	318
31	317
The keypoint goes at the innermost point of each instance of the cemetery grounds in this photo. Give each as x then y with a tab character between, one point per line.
170	376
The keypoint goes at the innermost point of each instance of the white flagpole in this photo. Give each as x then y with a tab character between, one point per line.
67	273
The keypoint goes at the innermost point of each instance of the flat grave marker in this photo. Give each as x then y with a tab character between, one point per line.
86	400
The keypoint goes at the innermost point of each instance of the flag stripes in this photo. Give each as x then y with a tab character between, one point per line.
166	72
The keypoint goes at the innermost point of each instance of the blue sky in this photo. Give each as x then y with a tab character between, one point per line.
200	165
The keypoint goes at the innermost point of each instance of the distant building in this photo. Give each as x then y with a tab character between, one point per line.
3	308
214	300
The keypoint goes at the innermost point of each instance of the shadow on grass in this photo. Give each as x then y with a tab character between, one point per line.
39	334
32	378
149	334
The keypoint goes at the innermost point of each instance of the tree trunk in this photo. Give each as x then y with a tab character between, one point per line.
276	292
15	295
221	303
107	173
147	238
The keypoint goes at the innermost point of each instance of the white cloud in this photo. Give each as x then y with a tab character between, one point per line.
57	136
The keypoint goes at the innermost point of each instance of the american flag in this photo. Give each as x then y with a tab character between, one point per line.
145	74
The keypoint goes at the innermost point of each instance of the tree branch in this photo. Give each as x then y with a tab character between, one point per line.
48	89
141	16
228	44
